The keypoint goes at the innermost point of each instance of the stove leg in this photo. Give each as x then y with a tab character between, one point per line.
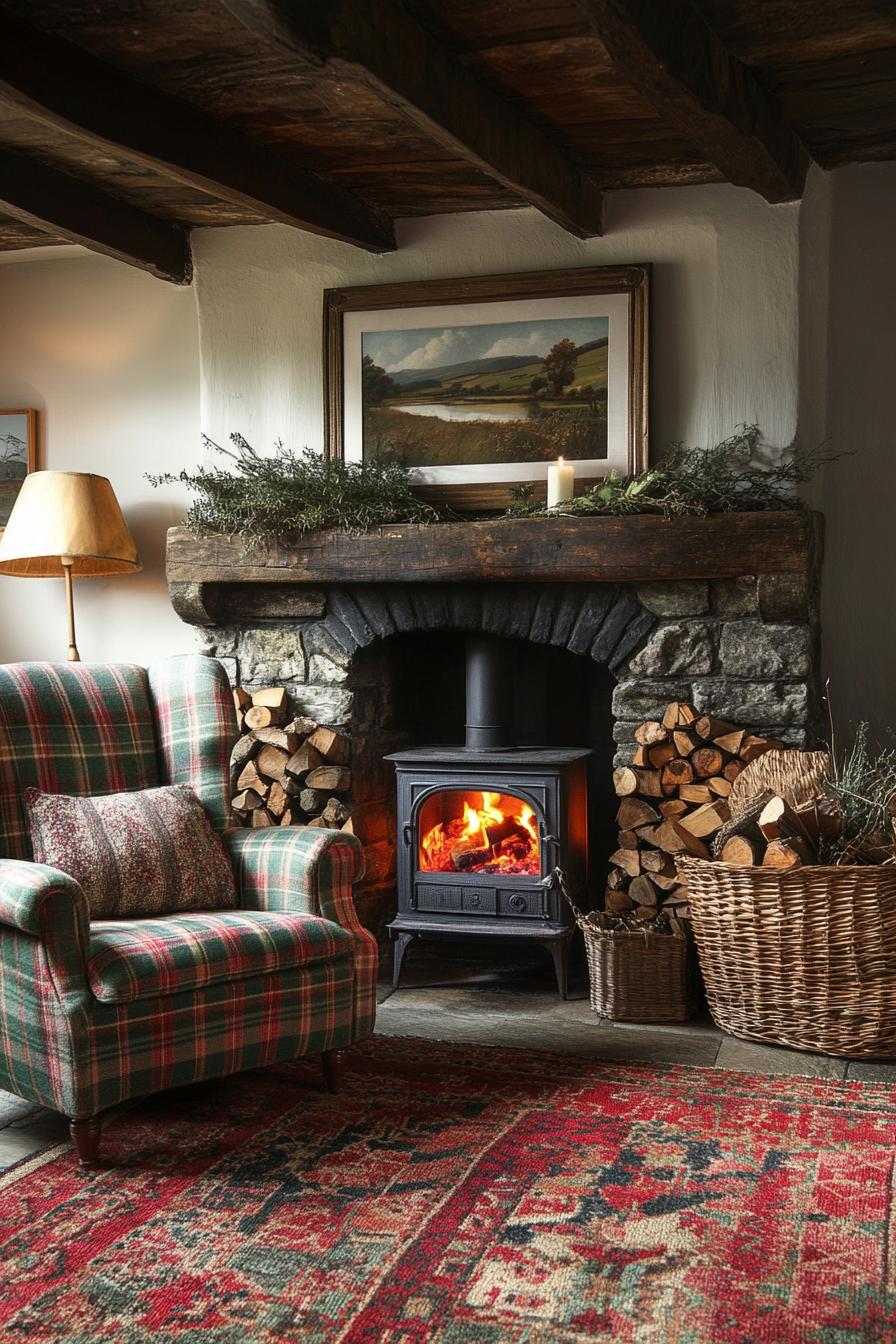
401	946
559	950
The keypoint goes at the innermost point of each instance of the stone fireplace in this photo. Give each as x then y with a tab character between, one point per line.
606	621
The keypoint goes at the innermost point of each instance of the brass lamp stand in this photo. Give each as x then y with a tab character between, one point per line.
67	524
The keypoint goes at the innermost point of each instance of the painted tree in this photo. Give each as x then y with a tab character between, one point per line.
376	383
560	364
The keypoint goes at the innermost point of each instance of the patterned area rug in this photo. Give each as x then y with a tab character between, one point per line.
469	1196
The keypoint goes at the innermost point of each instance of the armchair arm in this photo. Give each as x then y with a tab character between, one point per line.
310	871
49	905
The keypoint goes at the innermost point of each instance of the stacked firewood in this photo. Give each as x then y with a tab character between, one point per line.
673	799
287	772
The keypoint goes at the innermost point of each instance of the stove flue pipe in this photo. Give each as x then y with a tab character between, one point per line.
489	695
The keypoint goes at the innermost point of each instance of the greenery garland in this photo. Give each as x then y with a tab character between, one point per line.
272	499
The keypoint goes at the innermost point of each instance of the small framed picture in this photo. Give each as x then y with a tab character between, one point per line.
18	456
479	384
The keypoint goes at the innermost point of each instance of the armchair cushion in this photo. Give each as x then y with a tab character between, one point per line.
139	853
150	958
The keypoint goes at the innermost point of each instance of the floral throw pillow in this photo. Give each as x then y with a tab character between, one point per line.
143	853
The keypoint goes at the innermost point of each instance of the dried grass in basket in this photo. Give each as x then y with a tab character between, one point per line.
636	975
805	959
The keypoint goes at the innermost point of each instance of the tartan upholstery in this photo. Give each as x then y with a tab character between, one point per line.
94	729
138	958
75	728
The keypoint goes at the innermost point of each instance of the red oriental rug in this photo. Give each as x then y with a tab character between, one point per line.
468	1196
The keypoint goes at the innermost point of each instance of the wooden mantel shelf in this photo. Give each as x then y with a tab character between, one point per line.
593	550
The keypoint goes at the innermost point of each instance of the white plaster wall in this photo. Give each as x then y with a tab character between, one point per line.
110	358
725	306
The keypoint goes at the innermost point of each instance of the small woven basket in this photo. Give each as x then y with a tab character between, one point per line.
637	975
805	958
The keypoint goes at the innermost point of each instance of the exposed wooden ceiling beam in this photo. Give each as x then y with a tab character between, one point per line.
82	213
65	87
378	44
667	51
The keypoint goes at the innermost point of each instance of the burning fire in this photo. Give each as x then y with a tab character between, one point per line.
489	833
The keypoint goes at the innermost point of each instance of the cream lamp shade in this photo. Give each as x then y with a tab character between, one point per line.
67	523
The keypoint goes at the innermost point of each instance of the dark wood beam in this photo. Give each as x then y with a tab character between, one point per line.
667	51
63	86
70	208
378	44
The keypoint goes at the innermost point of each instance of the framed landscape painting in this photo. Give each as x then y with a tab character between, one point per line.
18	456
479	384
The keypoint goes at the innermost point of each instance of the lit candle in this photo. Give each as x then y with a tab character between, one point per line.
561	482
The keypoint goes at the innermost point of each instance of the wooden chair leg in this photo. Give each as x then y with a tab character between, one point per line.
334	1069
86	1135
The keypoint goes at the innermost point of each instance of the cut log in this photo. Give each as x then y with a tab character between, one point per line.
732	770
641	756
786	854
673	807
629	860
649	783
634	812
695	793
336	813
277	800
642	891
278	737
313	801
271	762
617	879
625	781
302	761
777	820
731	742
348	827
708	729
241	699
244	748
692	843
628	840
272	697
333	746
666	838
287	817
707	819
707	761
263	716
719	785
302	726
664	882
333	778
685	742
758	746
650	732
617	902
741	851
317	821
259	818
249	778
679	714
656	863
661	754
674	775
246	801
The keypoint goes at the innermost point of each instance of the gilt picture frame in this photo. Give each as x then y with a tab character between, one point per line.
478	384
18	455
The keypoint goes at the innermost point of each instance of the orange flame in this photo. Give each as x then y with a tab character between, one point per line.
484	832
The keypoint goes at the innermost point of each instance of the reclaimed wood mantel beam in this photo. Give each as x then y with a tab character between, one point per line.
378	44
82	213
59	84
639	548
667	50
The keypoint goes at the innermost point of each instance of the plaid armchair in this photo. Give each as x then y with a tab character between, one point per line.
92	1013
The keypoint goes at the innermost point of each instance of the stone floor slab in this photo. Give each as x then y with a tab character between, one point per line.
753	1057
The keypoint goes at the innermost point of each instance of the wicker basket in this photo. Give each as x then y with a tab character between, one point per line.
805	959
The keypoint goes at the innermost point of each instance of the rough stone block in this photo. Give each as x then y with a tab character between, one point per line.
680	649
372	604
543	616
637	700
593	612
618	619
465	607
754	704
640	627
756	649
341	605
735	597
331	639
507	610
215	640
323	671
687	598
568	603
232	667
271	654
398	601
785	597
329	705
430	604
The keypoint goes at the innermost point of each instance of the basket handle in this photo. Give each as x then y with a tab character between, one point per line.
556	881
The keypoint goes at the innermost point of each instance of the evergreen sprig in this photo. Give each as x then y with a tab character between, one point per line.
271	499
727	478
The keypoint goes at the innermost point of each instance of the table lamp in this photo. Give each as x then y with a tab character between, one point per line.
65	524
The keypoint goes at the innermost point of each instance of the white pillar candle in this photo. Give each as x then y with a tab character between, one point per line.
561	482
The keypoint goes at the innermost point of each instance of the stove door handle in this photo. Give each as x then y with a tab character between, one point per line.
407	831
547	838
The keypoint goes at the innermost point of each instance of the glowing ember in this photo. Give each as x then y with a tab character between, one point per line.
479	833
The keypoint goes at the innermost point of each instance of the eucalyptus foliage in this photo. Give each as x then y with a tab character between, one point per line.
727	478
270	499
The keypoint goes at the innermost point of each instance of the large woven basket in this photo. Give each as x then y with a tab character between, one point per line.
805	959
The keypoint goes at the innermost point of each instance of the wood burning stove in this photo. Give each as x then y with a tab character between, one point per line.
480	828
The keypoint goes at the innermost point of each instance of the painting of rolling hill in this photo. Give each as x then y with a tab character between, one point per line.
527	391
